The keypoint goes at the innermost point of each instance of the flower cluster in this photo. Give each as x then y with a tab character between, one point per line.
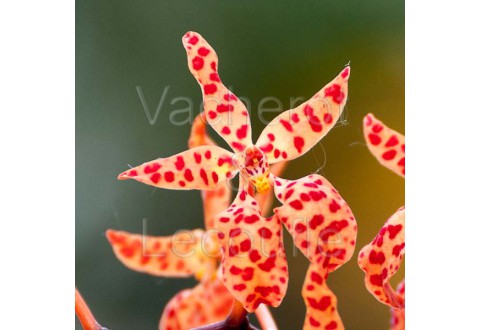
240	236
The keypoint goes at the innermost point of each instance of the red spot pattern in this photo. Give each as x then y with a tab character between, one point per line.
197	63
263	247
335	92
299	143
309	121
187	170
387	145
381	259
233	113
324	235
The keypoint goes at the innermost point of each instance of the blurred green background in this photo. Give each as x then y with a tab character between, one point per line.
273	48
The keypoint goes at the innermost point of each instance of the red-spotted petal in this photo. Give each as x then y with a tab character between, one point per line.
319	220
295	131
181	255
321	302
397	320
224	111
381	259
254	263
204	167
207	303
217	200
387	145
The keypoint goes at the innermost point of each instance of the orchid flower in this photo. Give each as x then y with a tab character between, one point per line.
259	273
381	258
187	254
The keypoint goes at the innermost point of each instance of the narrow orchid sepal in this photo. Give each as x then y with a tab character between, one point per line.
206	303
318	218
387	145
295	131
187	253
381	259
254	264
204	167
227	115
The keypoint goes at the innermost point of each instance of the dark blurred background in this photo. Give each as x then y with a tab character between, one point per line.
273	48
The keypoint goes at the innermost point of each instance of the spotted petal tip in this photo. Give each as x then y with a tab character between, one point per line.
130	174
345	74
387	145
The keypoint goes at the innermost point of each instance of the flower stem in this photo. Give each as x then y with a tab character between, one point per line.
84	314
265	318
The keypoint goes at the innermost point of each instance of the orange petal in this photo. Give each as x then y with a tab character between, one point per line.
387	145
295	131
319	220
224	111
381	259
181	255
321	302
397	321
198	133
254	263
204	167
207	303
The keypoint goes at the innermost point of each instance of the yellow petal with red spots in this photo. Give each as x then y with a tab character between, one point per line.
224	111
321	302
387	145
186	253
207	303
381	259
204	167
318	218
295	131
397	320
254	264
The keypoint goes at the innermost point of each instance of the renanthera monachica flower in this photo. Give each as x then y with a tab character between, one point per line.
381	258
254	265
193	253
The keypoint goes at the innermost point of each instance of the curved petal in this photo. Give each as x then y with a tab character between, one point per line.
321	302
224	111
295	131
207	303
387	145
184	254
397	321
319	220
254	263
204	167
217	200
381	259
